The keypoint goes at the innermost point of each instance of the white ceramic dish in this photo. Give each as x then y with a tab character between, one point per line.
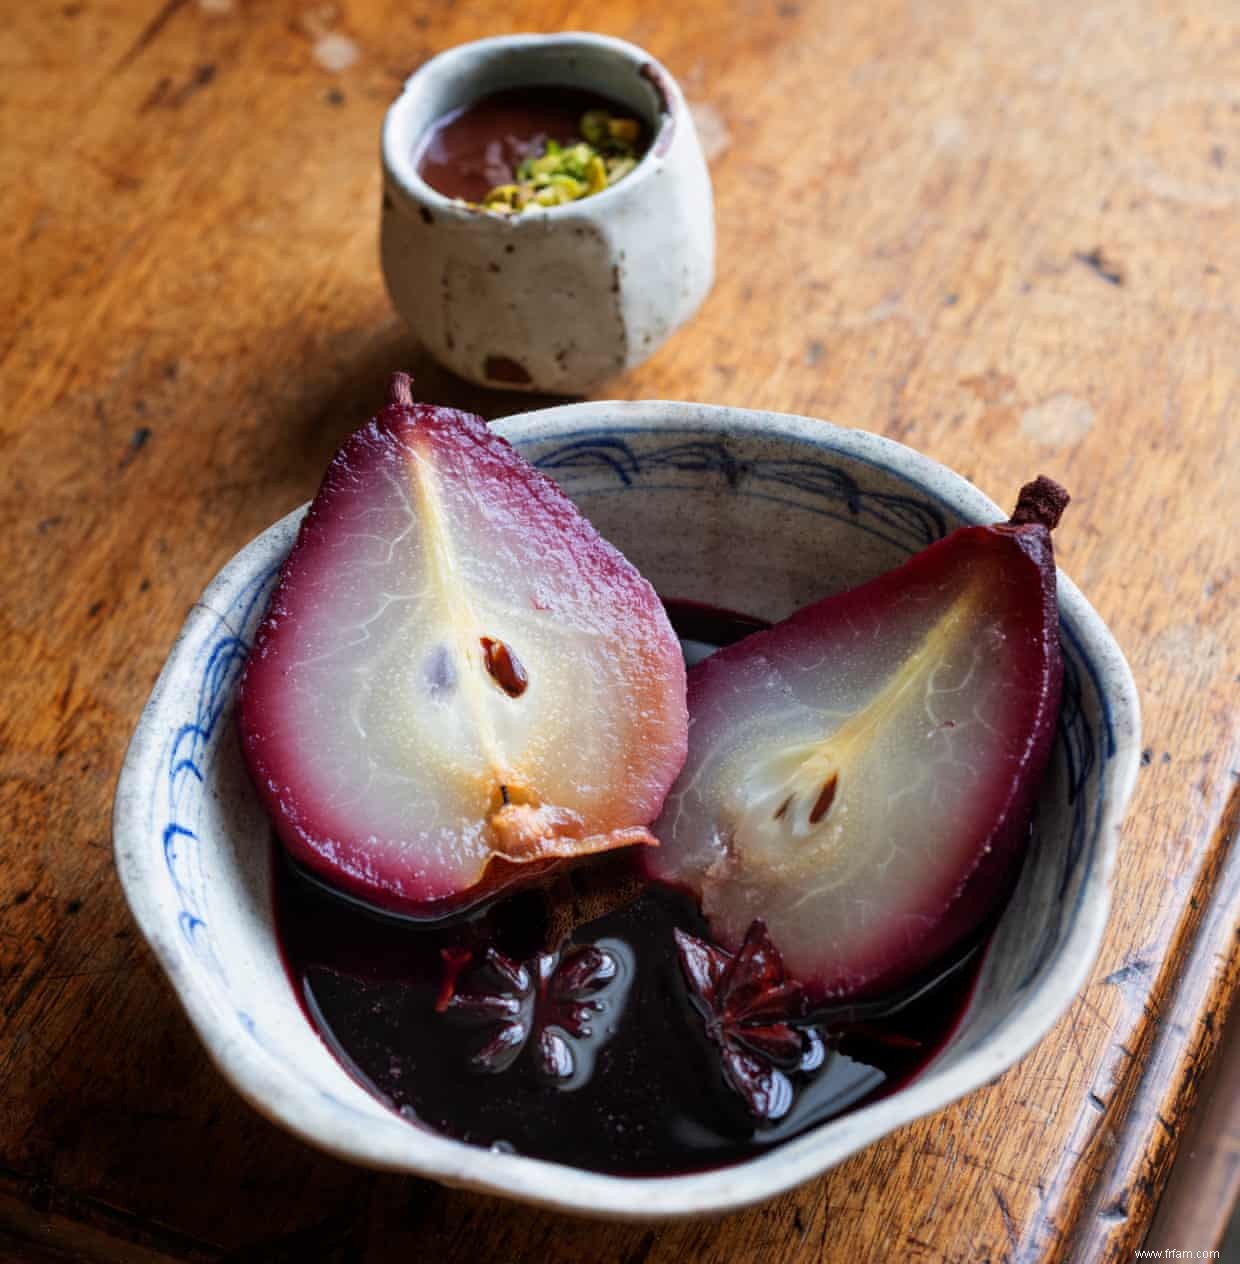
755	511
558	299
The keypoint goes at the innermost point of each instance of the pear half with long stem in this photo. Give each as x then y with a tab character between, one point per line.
861	776
458	682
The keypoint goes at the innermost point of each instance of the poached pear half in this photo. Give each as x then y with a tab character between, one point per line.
861	775
458	681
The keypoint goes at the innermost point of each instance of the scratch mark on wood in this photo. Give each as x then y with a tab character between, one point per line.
137	441
1009	1224
1096	259
156	94
1076	1038
980	1165
36	1188
150	32
825	1224
67	692
1095	1011
162	95
641	1252
124	967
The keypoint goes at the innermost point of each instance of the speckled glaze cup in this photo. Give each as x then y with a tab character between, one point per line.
558	299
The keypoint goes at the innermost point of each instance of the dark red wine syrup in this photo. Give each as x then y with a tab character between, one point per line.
646	1094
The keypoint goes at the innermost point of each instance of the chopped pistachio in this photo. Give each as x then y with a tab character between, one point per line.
567	173
594	127
503	195
624	131
618	168
596	175
576	159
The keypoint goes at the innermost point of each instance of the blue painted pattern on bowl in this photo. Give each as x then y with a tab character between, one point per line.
758	512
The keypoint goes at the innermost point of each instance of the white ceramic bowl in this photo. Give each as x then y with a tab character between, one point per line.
558	299
756	511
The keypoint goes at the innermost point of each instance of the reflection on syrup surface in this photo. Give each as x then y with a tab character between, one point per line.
586	1049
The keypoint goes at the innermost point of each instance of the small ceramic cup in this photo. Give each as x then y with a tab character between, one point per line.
560	298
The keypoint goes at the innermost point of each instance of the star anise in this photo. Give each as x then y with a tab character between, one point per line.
751	1012
551	999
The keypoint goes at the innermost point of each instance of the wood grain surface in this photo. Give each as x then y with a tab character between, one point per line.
1203	1191
1005	233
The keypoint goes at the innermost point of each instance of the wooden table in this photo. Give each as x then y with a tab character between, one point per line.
1005	233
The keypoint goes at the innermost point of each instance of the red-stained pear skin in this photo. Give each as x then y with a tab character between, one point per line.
458	682
861	776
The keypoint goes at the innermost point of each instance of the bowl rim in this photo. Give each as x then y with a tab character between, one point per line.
294	1104
397	147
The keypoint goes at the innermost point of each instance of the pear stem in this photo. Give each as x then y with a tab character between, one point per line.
1042	502
400	390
